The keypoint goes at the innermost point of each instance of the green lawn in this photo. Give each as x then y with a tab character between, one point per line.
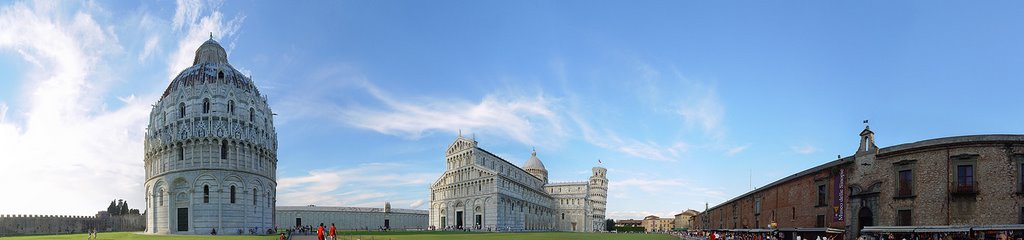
362	235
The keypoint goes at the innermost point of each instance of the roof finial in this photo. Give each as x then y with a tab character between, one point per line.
460	132
534	153
866	124
211	35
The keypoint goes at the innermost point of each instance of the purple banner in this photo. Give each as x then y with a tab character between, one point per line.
839	190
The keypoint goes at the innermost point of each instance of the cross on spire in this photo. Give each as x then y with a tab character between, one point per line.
211	35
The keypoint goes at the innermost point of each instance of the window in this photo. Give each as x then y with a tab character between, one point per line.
220	75
224	150
231	107
965	178
252	114
820	221
905	184
563	216
181	110
206	105
903	218
822	195
254	196
181	153
1020	172
206	193
232	194
1021	220
757	207
161	198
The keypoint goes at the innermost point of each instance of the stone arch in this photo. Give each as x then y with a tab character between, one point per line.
256	186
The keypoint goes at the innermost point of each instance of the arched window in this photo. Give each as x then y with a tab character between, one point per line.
206	193
206	105
252	114
231	107
161	198
181	110
232	194
181	153
254	196
165	118
220	75
224	150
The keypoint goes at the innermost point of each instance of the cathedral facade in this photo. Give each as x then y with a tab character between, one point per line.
483	192
210	152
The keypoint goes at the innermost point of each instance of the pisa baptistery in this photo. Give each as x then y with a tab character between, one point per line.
210	152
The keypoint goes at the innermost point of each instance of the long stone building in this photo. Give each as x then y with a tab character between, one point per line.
954	185
353	218
210	152
483	192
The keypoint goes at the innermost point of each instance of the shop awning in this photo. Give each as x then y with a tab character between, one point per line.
999	227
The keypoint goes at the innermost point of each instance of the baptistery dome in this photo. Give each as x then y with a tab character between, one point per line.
210	152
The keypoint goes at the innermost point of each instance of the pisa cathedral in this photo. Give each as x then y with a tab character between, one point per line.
210	152
483	192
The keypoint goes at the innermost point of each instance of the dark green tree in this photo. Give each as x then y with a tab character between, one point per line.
124	208
113	209
609	225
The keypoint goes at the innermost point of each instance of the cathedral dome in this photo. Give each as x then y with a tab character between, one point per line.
534	162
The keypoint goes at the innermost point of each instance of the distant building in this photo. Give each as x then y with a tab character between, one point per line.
936	186
684	220
352	218
483	192
628	223
657	224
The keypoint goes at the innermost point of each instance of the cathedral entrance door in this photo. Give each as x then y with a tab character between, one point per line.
479	221
183	219
387	223
458	219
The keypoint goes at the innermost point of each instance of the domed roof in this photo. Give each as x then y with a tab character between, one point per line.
210	51
210	66
534	162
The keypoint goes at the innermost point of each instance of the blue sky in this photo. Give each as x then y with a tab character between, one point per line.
686	103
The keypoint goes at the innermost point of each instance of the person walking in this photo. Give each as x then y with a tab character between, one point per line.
320	232
334	235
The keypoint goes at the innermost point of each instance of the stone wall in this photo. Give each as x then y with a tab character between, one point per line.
14	225
352	218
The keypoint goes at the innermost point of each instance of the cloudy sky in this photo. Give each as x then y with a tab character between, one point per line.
686	103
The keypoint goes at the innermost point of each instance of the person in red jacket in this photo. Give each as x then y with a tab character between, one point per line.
334	236
320	232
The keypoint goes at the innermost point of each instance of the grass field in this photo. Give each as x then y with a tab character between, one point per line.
376	236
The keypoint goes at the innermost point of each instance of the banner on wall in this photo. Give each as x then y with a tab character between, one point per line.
838	201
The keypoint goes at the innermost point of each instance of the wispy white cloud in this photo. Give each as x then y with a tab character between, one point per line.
518	117
416	204
367	185
190	16
736	150
804	149
150	46
642	149
62	130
